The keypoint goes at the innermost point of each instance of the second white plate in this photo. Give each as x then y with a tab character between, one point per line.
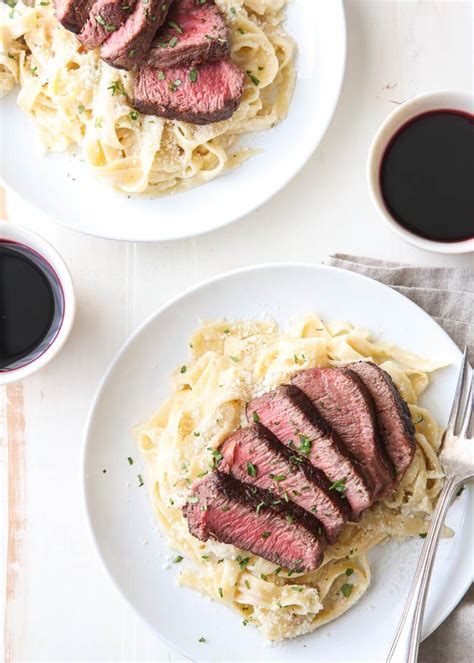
68	192
120	512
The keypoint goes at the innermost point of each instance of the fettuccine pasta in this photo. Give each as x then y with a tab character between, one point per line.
76	99
230	364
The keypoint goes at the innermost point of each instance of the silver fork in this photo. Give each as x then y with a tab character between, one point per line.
458	462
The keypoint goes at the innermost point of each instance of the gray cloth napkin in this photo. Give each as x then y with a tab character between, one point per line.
447	294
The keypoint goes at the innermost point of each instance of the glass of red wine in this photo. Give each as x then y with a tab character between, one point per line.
37	303
421	171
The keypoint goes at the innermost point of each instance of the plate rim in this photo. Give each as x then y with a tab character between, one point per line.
289	177
449	606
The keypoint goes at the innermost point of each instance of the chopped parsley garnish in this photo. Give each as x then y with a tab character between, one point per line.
247	584
171	501
314	509
339	486
306	444
259	506
277	570
131	52
183	369
236	359
423	535
116	87
140	481
349	572
245	622
108	27
193	75
130	460
205	557
233	10
289	519
460	491
266	534
242	561
196	434
253	78
161	75
81	108
217	457
277	477
263	576
201	639
255	417
226	331
346	589
178	559
241	30
296	459
98	122
172	42
193	499
221	593
202	474
251	470
176	27
297	589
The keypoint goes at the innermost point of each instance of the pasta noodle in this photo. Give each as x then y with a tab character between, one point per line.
76	99
230	364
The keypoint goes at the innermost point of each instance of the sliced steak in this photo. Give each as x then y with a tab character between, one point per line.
225	509
393	415
72	14
342	399
209	93
290	415
127	46
194	33
105	17
255	456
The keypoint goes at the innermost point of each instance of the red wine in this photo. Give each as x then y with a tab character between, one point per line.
427	176
31	305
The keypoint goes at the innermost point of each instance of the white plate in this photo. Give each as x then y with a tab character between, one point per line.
120	513
68	192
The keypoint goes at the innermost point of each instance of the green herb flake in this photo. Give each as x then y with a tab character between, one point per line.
289	519
245	622
278	570
236	359
266	534
460	491
193	499
251	470
263	576
140	481
201	639
183	369
193	75
98	122
241	30
253	78
130	460
243	562
178	559
259	507
221	593
277	477
116	87
247	584
81	108
346	590
297	589
176	26
233	11
172	42
206	557
423	535
339	486
108	27
349	572
306	444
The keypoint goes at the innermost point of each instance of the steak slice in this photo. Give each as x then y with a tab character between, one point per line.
393	415
290	415
340	396
194	33
255	456
227	510
127	46
209	93
105	17
72	14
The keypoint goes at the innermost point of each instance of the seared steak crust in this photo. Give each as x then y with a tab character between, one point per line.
222	508
290	415
72	14
206	94
395	424
194	33
340	396
255	456
127	46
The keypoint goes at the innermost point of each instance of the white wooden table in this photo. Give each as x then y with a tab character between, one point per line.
57	603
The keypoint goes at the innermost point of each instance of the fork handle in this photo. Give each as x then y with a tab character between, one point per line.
405	644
